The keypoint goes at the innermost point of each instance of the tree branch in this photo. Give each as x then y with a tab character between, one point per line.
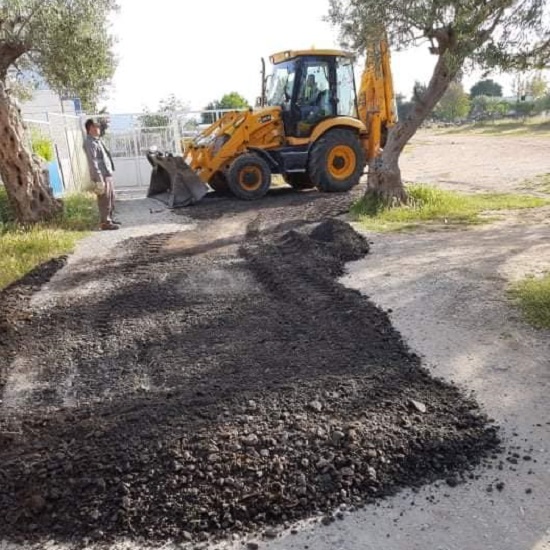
27	19
10	52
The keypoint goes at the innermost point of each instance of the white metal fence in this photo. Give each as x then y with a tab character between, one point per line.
126	137
130	142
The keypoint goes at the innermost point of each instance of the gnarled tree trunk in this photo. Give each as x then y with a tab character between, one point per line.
28	192
384	177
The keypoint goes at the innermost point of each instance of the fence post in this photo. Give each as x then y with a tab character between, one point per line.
176	133
137	149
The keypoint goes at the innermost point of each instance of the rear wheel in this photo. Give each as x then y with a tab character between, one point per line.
299	181
337	161
249	177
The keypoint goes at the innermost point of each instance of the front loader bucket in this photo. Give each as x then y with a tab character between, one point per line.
173	181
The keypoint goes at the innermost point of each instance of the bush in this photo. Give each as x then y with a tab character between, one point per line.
42	146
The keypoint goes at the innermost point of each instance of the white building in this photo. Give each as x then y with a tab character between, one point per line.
46	101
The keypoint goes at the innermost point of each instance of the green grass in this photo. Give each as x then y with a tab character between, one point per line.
540	183
533	298
431	206
22	249
504	128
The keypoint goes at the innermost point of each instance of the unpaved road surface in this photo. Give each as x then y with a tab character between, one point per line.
447	295
220	380
475	162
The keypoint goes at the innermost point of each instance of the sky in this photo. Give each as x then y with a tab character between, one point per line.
200	51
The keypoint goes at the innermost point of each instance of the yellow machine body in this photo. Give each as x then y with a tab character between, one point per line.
312	126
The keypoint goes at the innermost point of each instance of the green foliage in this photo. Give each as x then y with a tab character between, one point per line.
525	109
542	104
403	106
533	298
68	43
162	116
538	86
503	34
22	249
489	108
497	33
232	100
154	120
6	215
454	105
529	86
20	90
540	183
42	146
487	87
79	212
505	127
429	205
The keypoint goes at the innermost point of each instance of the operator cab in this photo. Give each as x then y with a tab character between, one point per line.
311	86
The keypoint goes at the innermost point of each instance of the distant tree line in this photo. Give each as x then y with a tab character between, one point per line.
485	100
171	106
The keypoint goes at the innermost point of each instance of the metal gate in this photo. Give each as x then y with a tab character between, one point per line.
129	148
129	142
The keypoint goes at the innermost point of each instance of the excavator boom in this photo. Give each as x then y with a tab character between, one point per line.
376	97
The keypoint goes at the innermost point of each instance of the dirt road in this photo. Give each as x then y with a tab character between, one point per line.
475	162
217	380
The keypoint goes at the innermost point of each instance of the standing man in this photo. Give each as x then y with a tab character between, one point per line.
311	90
101	171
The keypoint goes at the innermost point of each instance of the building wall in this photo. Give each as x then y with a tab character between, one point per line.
46	101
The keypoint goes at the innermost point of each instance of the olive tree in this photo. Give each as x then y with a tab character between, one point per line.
487	34
69	45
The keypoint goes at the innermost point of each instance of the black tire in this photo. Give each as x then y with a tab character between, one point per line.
337	161
249	177
218	182
299	181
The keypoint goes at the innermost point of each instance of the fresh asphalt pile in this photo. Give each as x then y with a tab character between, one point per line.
218	392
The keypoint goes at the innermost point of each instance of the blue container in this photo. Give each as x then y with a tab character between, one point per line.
56	182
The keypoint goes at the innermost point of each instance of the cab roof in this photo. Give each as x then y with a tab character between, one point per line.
292	54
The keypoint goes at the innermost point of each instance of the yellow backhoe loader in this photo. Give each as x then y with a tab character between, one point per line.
310	126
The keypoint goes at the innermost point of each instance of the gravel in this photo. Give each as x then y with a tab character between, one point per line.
194	394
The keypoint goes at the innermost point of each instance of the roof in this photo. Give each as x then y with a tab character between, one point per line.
291	54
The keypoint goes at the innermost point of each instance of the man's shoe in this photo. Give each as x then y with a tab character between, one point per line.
108	226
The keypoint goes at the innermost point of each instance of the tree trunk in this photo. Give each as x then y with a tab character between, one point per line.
30	195
384	177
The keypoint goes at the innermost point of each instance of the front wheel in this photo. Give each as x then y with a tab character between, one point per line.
337	161
249	177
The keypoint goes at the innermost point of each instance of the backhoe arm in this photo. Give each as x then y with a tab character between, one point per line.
376	98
